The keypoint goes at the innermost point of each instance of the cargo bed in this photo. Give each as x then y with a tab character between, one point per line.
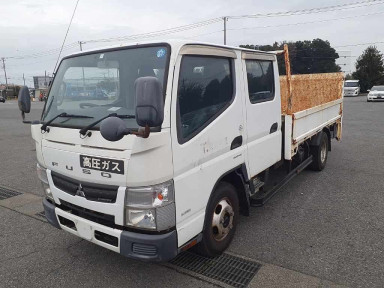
308	104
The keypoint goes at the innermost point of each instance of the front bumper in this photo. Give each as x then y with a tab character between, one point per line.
351	94
375	98
153	247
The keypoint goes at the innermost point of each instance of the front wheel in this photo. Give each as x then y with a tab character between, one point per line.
320	153
220	221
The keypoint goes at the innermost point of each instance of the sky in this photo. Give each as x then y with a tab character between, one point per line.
32	32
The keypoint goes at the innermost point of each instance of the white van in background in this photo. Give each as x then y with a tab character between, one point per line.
351	88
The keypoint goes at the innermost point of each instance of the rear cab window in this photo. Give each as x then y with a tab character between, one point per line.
261	83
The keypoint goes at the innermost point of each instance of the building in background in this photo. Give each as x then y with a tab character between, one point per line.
41	84
9	91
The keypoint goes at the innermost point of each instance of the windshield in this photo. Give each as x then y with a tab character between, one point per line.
102	83
377	88
351	84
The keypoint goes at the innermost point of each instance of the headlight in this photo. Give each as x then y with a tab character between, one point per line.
151	207
150	196
143	218
42	174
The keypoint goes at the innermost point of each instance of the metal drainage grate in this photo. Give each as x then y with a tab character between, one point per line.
7	193
231	270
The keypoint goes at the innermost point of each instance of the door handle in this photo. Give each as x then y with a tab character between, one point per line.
237	142
273	128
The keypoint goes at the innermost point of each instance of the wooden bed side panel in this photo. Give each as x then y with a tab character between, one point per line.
310	90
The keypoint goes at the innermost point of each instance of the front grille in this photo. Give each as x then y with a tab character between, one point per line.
101	218
142	249
93	192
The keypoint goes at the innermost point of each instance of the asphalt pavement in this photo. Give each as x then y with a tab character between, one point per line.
322	228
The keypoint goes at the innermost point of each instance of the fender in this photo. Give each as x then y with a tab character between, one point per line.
315	140
238	177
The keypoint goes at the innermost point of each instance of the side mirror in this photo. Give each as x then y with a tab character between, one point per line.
24	101
113	129
149	102
369	90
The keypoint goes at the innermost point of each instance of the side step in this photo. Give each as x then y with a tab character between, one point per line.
260	199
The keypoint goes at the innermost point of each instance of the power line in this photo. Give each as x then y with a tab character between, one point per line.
209	22
360	44
25	61
159	32
66	34
313	10
308	22
41	53
203	34
120	38
225	18
294	24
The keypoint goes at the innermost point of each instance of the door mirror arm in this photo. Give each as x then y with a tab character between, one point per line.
142	133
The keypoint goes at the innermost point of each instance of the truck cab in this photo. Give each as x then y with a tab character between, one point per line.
184	136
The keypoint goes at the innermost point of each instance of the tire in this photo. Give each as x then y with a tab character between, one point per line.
223	206
320	153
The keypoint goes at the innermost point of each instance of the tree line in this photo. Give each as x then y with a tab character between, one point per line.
317	56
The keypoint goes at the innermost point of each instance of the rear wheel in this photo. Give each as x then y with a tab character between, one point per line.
320	153
220	221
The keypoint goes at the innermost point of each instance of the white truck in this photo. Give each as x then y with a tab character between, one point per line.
150	149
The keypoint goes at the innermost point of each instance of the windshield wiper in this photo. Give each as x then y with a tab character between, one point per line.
83	131
45	128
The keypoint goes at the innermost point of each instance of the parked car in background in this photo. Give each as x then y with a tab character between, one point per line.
351	88
3	95
376	94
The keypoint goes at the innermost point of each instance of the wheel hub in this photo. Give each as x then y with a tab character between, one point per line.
222	221
323	152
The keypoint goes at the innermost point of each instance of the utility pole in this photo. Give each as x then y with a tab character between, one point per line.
225	29
5	73
81	45
23	79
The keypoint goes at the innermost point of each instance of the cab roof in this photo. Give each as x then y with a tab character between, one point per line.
176	44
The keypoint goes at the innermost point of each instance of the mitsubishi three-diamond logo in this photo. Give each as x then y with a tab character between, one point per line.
79	191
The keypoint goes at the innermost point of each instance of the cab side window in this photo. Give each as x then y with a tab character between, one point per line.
205	90
261	86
